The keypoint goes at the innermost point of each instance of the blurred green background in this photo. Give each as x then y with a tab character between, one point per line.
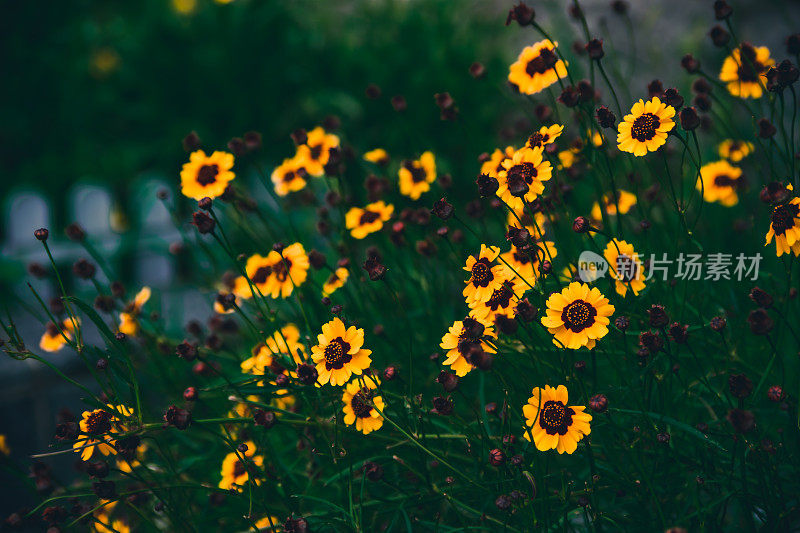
105	91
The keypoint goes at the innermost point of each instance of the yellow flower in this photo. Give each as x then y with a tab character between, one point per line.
4	449
523	268
417	175
236	473
339	353
361	404
117	526
546	135
336	280
484	277
283	342
494	164
53	340
127	463
744	71
319	146
785	227
269	524
626	267
537	68
290	176
462	337
379	156
184	7
566	158
278	274
522	177
363	221
553	424
206	176
718	183
734	150
128	323
97	426
577	316
645	129
625	200
500	303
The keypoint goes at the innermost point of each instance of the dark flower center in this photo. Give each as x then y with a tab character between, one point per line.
481	273
527	171
316	151
261	275
723	180
578	316
749	66
289	176
644	127
282	269
417	172
336	354
98	422
626	268
555	417
538	139
239	469
361	402
207	174
368	217
501	297
783	217
541	63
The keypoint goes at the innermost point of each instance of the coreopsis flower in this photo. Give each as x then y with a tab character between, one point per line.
339	353
236	473
269	523
290	176
744	71
566	158
53	339
206	176
493	165
734	150
537	68
97	427
105	525
277	274
379	156
551	423
128	322
485	275
462	339
625	201
719	182
319	145
417	175
785	227
626	267
361	404
546	135
522	178
335	281
577	316
369	219
524	268
645	128
4	448
501	303
285	341
131	458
